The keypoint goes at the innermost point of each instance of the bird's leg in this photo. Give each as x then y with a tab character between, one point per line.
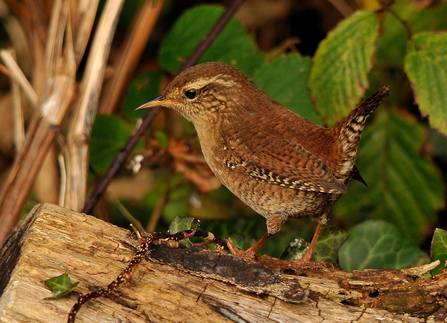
308	255
250	253
274	222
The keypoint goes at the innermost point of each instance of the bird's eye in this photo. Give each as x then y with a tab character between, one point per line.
191	94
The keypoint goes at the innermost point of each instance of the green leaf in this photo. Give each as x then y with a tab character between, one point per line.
109	136
232	46
377	245
285	80
143	88
428	18
60	286
329	242
426	67
405	188
179	195
439	250
339	76
181	224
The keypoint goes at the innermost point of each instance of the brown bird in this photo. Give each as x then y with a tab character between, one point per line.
277	162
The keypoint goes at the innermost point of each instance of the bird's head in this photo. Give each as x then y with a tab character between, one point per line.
205	92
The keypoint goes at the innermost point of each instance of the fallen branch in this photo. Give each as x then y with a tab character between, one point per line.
193	285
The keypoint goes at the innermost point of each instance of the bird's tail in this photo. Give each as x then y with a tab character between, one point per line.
348	131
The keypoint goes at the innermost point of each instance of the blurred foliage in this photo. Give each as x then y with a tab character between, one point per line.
109	135
233	46
296	97
363	52
143	88
378	244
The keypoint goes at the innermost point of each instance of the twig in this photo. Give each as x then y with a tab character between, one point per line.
147	120
126	213
129	55
63	181
342	7
158	209
19	123
17	74
83	21
387	8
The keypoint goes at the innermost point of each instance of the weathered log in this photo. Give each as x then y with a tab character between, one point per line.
193	285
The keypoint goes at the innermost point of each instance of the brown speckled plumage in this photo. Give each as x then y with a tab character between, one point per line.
276	161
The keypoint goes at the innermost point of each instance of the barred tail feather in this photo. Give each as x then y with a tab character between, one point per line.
348	131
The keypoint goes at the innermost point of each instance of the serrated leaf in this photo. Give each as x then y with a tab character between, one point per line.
232	46
329	242
377	245
60	286
109	135
426	67
181	224
143	88
404	187
339	76
285	80
439	250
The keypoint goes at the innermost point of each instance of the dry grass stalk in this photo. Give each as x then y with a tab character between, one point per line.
87	105
56	56
18	76
19	123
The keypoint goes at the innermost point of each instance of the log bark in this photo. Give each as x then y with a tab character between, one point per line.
193	285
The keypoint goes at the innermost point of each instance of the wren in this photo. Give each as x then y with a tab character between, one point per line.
277	162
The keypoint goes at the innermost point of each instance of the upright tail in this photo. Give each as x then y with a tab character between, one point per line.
348	131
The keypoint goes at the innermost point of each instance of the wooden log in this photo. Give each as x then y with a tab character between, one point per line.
184	285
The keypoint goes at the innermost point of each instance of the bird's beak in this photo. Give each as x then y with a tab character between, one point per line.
159	100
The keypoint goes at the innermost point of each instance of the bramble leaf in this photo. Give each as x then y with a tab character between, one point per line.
341	64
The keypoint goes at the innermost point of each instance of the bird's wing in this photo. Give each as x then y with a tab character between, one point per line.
268	157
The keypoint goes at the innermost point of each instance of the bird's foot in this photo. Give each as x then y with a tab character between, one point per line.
306	260
246	255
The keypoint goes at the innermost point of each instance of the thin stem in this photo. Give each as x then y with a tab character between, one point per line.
126	213
387	8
